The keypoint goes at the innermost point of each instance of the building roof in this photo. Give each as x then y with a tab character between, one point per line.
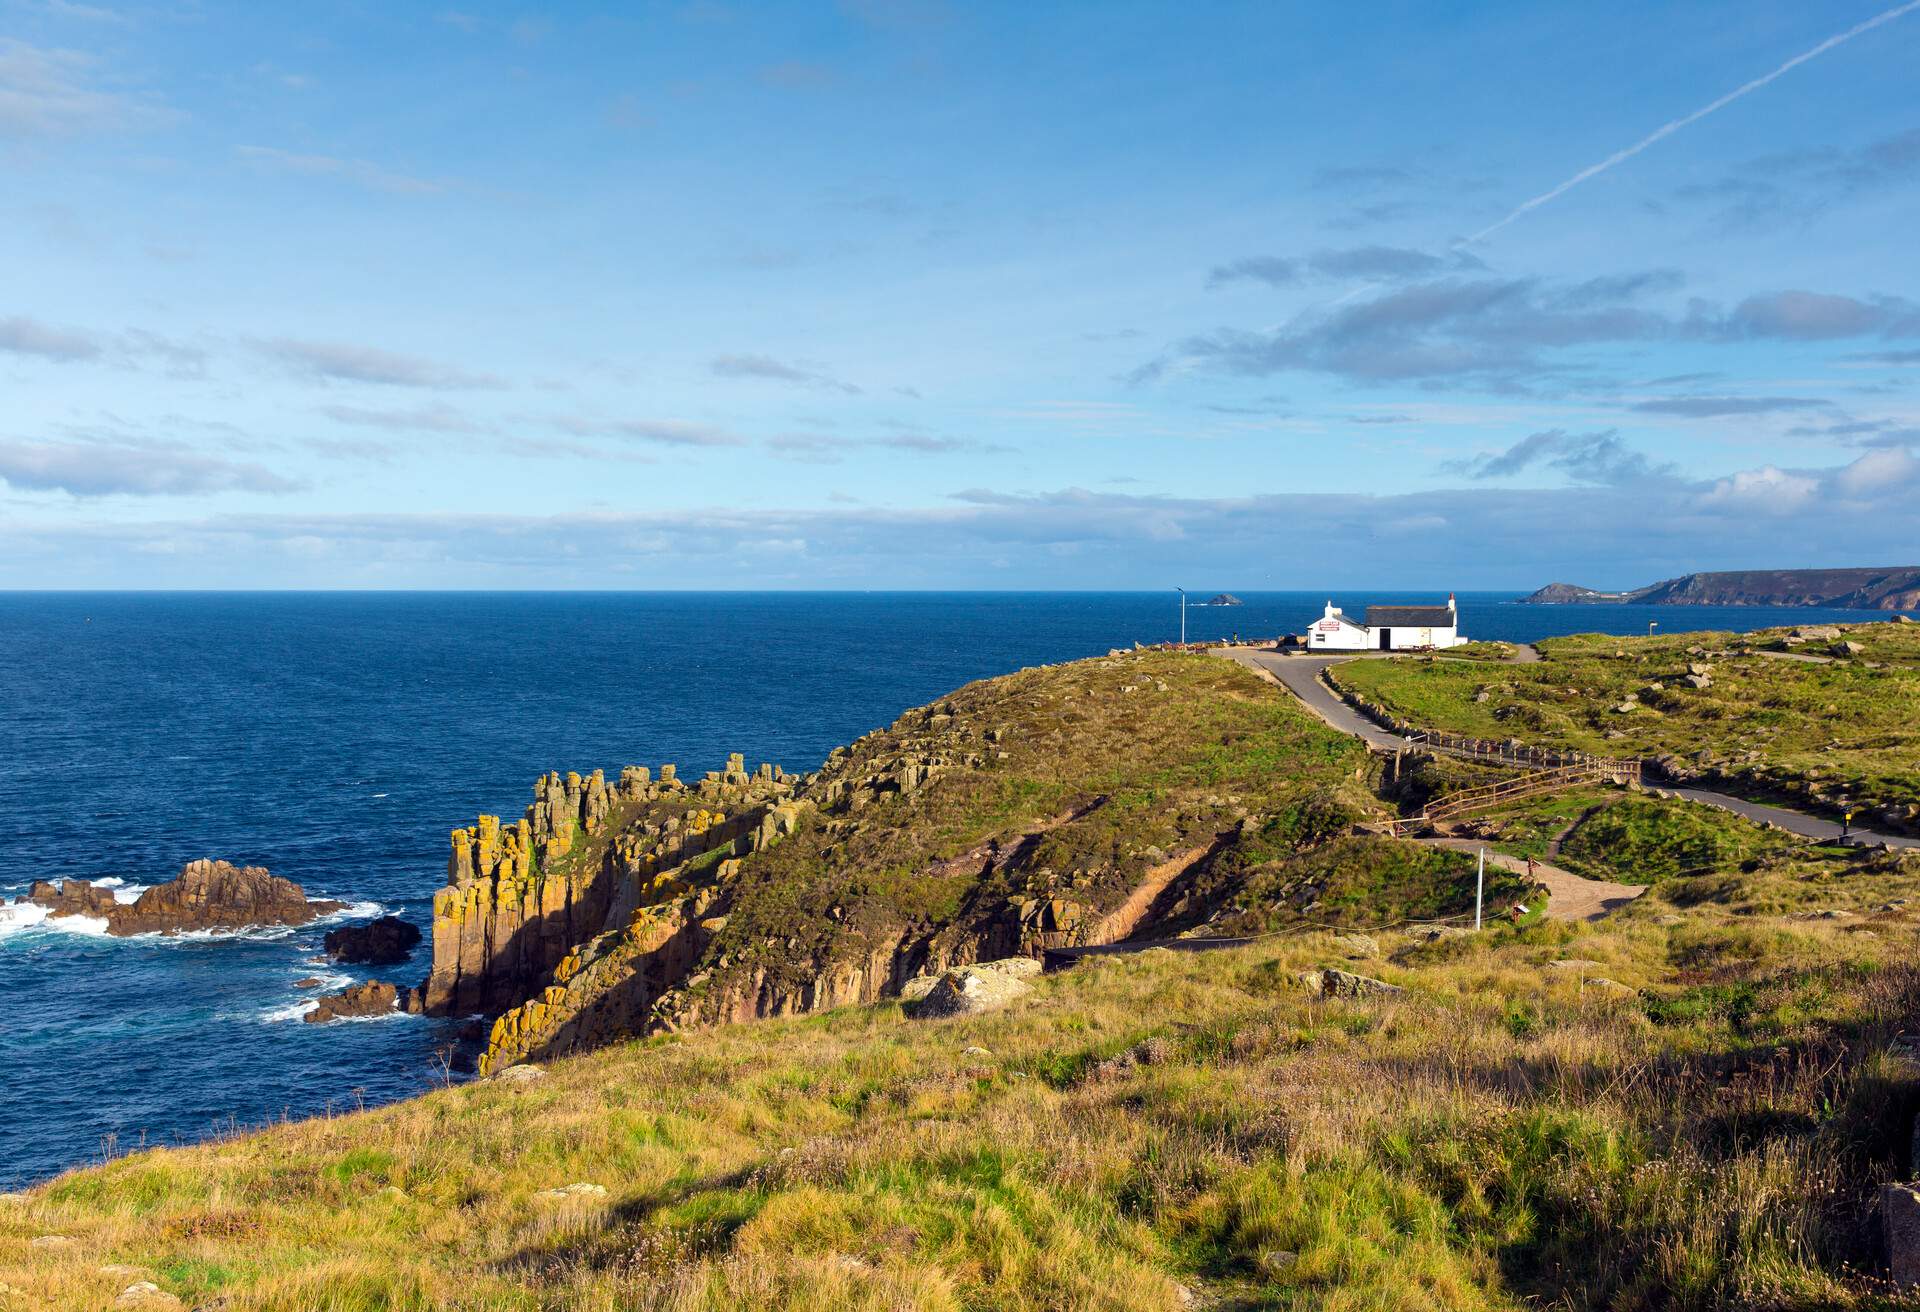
1342	616
1410	617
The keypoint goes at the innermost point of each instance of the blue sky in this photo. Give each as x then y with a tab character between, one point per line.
896	293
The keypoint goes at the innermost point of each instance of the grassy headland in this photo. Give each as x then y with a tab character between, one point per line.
1689	1104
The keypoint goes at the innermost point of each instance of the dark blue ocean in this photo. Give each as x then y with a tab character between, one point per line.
335	738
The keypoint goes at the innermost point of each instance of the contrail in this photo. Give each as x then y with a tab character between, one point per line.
1661	133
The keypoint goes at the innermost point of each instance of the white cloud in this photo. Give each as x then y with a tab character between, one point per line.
353	363
357	171
56	93
98	469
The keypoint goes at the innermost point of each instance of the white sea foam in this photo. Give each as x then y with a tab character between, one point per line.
352	911
111	881
379	794
293	1011
395	1014
24	917
127	894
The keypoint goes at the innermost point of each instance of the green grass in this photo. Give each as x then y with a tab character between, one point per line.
1812	734
1641	840
1157	1132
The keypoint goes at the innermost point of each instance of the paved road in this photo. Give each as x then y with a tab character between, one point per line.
1300	675
1794	822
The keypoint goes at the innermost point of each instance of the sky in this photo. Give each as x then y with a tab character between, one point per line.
909	294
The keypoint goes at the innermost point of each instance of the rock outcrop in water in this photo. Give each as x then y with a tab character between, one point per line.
384	942
373	998
207	895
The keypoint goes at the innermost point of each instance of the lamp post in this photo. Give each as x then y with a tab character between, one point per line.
1183	615
1651	626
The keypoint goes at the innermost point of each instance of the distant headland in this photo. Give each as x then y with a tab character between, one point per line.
1894	588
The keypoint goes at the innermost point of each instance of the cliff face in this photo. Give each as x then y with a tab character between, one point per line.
520	898
1895	588
1037	810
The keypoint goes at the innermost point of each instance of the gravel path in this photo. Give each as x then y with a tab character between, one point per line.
1569	896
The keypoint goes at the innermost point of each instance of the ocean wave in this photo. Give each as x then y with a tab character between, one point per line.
293	1011
126	894
352	911
395	1014
22	917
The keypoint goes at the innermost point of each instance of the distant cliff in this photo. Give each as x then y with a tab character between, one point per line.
1895	588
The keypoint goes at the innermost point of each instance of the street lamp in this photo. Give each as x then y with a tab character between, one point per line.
1183	615
1651	626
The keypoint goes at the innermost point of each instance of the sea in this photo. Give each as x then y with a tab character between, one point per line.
335	738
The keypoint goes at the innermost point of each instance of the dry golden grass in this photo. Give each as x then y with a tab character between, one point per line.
1155	1132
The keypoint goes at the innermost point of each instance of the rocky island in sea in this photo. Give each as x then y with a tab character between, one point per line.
206	895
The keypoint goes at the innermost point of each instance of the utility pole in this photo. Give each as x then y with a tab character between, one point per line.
1183	615
1479	889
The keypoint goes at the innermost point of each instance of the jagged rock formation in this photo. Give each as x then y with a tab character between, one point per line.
72	897
1894	588
383	942
205	895
520	898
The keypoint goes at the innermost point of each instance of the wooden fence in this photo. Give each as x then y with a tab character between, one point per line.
1490	751
1592	770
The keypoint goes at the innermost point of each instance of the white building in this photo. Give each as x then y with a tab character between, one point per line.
1387	628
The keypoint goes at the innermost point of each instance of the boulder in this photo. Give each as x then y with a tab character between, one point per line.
71	897
146	1294
520	1074
387	941
374	998
216	895
566	1192
1357	945
1331	983
970	990
1574	964
1900	1212
918	987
